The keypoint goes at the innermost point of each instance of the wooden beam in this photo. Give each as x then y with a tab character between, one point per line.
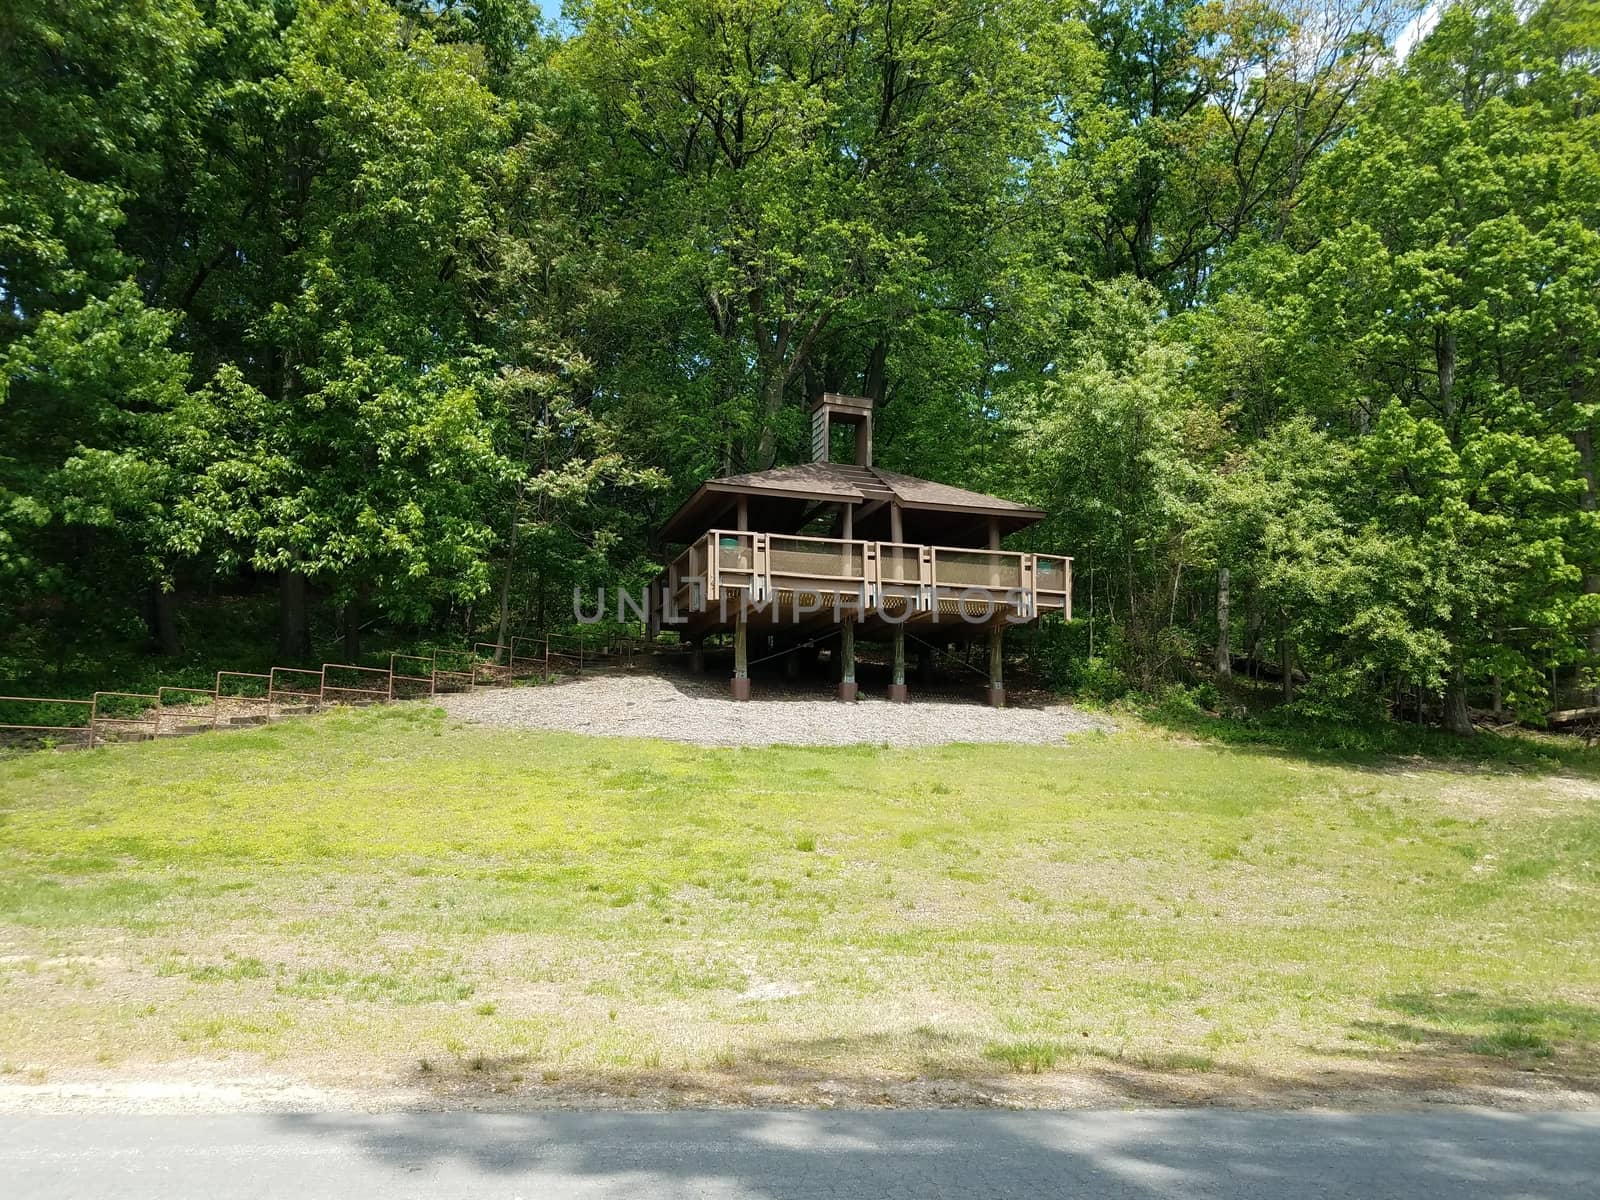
741	656
996	694
847	659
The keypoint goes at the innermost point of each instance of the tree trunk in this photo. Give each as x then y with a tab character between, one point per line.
1444	350
771	404
1224	654
294	630
1254	622
1456	717
1583	441
161	616
505	580
1286	663
874	380
352	630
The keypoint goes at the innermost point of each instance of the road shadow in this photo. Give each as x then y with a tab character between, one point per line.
1458	1049
883	1154
783	1120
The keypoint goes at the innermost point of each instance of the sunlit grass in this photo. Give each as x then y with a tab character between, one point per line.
367	890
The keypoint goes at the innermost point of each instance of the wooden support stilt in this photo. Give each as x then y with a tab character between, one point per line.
847	660
741	658
996	692
897	684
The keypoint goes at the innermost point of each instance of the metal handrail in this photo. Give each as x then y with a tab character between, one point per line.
387	691
161	701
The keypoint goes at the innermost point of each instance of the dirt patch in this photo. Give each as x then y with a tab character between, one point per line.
700	711
507	1085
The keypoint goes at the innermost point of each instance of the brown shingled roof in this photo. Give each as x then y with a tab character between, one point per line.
914	492
839	482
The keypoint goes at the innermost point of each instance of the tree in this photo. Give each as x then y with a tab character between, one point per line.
91	396
355	159
1446	269
1207	118
787	168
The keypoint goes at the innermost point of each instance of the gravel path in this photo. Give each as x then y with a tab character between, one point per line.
699	710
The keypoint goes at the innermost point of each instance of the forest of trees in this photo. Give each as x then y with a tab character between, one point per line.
400	312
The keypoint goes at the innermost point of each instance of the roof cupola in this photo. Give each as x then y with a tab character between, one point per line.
833	409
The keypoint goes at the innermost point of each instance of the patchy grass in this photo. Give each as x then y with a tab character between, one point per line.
1033	1057
350	896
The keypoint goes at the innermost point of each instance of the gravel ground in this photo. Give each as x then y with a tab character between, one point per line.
699	710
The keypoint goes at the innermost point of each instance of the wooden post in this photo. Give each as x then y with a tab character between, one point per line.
995	694
744	513
994	533
741	657
848	520
897	685
847	660
896	526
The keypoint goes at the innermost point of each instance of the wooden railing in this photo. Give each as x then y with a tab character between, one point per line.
251	698
762	566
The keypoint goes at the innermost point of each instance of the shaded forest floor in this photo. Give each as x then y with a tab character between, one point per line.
390	905
217	633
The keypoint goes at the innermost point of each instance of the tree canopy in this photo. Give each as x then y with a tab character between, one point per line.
397	309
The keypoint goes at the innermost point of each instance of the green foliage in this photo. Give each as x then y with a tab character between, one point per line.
429	313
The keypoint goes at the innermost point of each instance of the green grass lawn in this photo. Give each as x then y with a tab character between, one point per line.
384	898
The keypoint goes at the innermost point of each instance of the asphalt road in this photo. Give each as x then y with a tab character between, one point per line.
875	1155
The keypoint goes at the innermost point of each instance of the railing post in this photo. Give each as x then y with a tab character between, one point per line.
871	573
760	567
1030	595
